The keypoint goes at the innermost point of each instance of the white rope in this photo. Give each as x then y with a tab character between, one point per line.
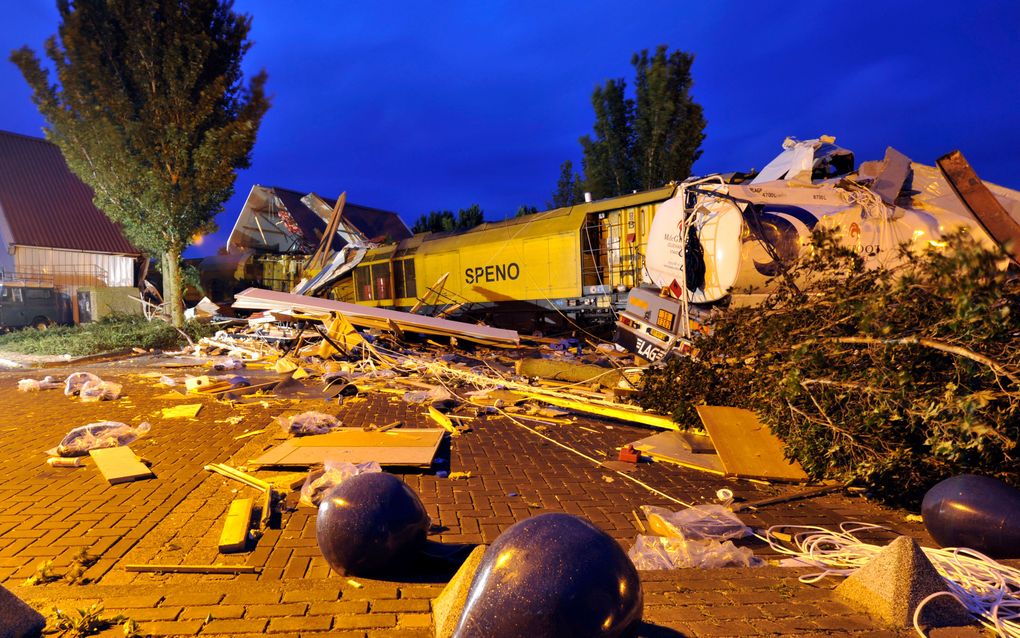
987	589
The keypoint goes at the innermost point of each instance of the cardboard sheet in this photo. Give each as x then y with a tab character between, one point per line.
408	447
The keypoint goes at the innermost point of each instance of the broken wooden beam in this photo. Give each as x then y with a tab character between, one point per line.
977	197
371	317
560	370
234	537
193	569
788	498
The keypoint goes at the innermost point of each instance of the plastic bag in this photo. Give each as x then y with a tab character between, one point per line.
431	395
31	385
660	552
228	364
695	523
74	383
100	391
309	423
332	474
95	436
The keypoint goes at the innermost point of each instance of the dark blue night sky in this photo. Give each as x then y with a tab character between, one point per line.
416	106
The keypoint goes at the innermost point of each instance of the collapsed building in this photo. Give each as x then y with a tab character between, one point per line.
279	229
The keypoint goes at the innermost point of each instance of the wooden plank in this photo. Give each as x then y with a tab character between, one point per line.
670	447
119	465
234	536
620	413
787	498
182	411
416	452
988	210
444	421
193	569
356	437
746	447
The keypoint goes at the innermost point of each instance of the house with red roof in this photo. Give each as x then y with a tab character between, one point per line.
52	234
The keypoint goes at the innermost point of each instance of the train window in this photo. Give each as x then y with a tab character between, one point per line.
38	293
381	284
363	283
665	319
403	278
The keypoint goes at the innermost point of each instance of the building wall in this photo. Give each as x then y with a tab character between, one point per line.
75	268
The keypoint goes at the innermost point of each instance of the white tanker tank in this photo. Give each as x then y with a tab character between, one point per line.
717	241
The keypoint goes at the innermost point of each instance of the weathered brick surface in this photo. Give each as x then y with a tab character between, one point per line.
175	518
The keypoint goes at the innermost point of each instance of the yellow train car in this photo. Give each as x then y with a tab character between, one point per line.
581	258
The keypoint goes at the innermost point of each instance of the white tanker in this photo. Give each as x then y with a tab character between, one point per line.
717	241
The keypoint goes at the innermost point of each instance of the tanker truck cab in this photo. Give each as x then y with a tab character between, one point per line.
25	304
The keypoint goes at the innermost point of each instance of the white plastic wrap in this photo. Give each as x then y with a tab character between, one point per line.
74	382
309	423
100	391
319	483
660	552
99	435
695	523
31	385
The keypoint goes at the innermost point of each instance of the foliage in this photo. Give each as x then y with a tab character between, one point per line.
668	124
445	221
111	333
524	209
644	142
43	574
569	188
894	379
150	110
86	622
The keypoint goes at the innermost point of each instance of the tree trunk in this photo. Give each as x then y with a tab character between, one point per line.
172	287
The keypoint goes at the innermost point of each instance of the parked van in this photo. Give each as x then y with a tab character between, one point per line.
23	305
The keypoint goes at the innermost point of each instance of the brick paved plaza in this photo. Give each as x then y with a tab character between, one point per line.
51	513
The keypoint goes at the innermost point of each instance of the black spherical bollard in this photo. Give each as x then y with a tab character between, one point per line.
550	576
368	522
978	512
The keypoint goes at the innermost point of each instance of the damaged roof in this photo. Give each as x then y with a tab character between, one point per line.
44	204
308	225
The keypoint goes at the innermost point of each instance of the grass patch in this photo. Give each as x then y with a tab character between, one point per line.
115	332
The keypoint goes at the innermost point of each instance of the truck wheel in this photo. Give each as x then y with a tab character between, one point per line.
41	323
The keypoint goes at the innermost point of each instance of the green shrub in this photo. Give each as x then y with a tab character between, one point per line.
893	379
111	333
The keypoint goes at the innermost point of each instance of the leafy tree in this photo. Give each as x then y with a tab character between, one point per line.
434	222
469	217
445	221
647	141
668	124
569	188
609	157
149	108
524	209
890	378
